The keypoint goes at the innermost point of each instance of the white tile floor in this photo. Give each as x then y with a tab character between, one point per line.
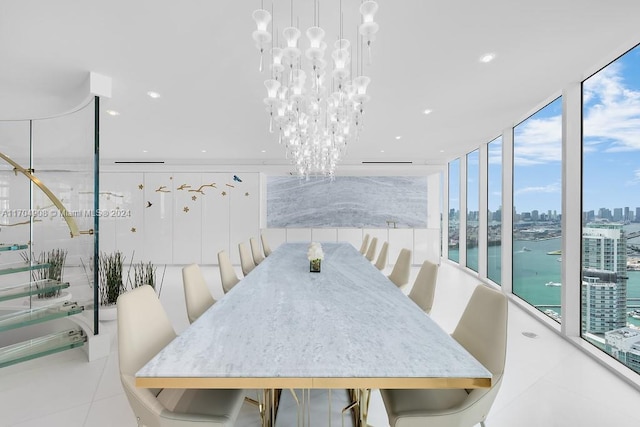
548	382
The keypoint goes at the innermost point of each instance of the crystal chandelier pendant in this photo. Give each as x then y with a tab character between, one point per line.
317	107
368	28
261	36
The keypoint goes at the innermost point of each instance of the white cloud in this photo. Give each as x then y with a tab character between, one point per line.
612	120
551	188
636	178
538	141
495	158
495	151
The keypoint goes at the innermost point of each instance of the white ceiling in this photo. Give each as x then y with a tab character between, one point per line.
199	55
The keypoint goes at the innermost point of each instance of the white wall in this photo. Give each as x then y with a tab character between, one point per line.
164	224
179	217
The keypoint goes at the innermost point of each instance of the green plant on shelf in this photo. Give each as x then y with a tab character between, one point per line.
56	259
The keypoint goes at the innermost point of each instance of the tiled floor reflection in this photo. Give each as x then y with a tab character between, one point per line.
548	382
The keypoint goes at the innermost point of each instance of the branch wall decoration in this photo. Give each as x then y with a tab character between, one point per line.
167	233
192	189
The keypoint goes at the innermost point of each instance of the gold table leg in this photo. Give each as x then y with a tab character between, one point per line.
359	406
268	406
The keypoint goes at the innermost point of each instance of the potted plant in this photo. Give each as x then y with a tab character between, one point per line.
143	274
110	284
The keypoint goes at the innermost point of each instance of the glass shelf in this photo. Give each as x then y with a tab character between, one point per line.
12	247
32	304
31	288
43	314
41	346
18	267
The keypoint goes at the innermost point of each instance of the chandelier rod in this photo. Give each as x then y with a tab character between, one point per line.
359	40
272	41
340	22
357	52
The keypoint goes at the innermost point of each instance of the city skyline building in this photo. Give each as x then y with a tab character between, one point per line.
604	264
602	308
624	345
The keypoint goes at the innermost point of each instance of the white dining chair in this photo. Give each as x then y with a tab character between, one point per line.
196	294
402	268
228	276
265	245
482	331
246	259
424	286
143	330
383	256
371	252
365	244
256	251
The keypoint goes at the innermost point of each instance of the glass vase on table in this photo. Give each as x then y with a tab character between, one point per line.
315	265
315	256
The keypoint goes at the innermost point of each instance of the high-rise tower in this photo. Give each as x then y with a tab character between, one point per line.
604	278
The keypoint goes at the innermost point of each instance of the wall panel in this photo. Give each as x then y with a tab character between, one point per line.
158	218
244	209
187	218
215	217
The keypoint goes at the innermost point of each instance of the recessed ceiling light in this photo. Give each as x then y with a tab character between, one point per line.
263	151
487	57
382	151
153	94
112	113
442	151
145	151
203	151
398	137
427	111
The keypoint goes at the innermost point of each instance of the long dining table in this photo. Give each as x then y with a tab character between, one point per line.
284	327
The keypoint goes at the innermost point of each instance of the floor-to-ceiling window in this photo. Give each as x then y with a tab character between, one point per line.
473	202
454	210
494	210
537	201
611	209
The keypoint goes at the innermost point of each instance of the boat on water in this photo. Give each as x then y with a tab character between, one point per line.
525	249
553	314
558	252
559	259
556	284
635	314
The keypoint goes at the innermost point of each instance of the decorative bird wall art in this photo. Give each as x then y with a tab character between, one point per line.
189	188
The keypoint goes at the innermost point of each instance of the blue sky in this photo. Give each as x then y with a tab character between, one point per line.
537	154
611	159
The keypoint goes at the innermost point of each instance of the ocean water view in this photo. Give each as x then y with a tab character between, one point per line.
536	274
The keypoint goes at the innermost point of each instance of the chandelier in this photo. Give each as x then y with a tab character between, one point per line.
316	112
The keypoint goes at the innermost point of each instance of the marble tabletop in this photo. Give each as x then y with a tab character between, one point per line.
283	327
